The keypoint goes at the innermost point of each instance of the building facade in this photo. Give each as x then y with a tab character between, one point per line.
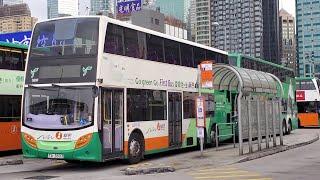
10	2
148	18
308	37
175	27
99	7
175	8
192	21
271	41
287	39
60	8
249	27
237	26
15	18
203	22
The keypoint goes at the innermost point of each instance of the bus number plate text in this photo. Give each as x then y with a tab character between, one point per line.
55	156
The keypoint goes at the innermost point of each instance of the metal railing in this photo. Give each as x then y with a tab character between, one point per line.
233	133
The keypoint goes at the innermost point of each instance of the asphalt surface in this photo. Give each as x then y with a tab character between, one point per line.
300	163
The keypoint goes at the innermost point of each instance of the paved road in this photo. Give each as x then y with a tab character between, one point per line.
300	163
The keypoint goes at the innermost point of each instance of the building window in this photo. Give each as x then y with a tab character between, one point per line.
156	21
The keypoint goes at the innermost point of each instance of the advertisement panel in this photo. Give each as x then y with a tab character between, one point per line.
300	95
17	37
206	74
11	82
128	6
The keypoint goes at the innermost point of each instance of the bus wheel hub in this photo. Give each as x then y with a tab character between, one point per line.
134	148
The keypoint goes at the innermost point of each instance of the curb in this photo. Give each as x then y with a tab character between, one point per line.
11	162
277	150
151	170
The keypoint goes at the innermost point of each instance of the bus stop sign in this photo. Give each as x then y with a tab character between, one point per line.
201	119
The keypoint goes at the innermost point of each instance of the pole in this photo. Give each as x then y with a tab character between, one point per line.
200	128
225	38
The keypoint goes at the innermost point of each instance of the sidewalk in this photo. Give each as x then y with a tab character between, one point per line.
225	155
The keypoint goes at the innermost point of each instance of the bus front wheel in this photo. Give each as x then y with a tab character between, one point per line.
135	148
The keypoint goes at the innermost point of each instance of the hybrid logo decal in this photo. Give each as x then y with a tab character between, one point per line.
160	127
33	72
56	136
85	70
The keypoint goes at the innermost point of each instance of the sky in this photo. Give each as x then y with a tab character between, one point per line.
39	7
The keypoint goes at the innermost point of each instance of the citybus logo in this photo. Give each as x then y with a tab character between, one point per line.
300	95
58	135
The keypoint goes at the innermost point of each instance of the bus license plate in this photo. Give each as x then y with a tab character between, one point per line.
55	156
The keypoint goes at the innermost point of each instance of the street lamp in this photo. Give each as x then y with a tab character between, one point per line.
225	34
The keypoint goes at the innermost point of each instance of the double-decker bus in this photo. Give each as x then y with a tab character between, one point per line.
286	76
308	101
113	90
12	63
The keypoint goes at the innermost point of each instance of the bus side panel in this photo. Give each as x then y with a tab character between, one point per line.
10	136
308	119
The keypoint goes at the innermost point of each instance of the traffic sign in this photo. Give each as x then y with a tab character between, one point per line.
201	114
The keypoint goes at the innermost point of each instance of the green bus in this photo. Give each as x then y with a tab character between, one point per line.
286	76
115	91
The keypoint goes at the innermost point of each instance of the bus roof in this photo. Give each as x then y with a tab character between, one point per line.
260	60
142	29
304	78
13	45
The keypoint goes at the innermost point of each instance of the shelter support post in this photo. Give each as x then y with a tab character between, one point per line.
267	110
274	117
259	125
250	124
281	132
240	123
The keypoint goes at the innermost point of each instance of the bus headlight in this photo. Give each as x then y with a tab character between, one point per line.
83	140
30	140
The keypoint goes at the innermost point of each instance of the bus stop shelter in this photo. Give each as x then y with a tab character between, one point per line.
257	105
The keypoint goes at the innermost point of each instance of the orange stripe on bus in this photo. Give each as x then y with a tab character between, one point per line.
10	136
151	144
308	119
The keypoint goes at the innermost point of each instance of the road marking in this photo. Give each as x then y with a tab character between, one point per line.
228	172
218	169
228	176
260	179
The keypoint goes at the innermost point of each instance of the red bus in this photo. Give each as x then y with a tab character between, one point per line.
12	63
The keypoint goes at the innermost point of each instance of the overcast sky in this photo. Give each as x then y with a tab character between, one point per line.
39	7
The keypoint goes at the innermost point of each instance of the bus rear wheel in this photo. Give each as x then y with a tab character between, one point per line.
213	135
289	127
135	148
284	127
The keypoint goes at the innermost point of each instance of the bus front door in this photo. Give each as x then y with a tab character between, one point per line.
175	118
112	101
